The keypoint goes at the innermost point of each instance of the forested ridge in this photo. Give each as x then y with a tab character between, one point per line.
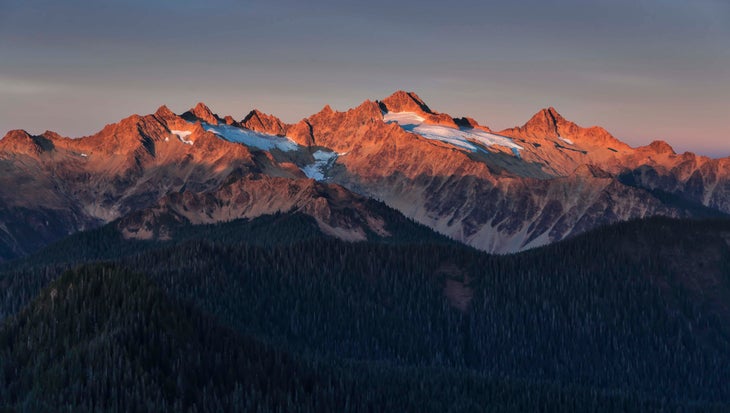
631	317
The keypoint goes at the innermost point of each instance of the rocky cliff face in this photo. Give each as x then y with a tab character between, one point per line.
501	192
262	122
337	211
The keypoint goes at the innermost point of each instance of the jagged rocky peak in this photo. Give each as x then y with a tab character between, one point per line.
164	113
14	135
549	124
21	142
327	109
545	123
367	110
265	123
402	101
201	112
470	123
52	135
331	128
329	118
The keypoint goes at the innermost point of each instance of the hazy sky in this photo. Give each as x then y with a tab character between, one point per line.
644	69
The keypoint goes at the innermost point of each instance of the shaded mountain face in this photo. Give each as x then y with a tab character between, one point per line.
501	192
337	211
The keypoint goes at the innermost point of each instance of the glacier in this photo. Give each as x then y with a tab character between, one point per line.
472	140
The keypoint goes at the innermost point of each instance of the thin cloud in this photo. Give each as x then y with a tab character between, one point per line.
17	86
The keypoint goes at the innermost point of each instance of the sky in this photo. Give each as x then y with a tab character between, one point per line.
643	69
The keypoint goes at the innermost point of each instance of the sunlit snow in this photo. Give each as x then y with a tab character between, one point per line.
568	141
468	139
251	138
323	160
182	134
403	118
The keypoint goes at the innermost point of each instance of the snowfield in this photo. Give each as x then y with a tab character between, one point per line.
469	139
323	160
251	138
182	135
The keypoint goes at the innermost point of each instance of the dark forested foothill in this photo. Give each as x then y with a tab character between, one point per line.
630	317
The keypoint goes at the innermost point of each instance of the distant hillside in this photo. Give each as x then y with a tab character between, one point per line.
102	338
627	317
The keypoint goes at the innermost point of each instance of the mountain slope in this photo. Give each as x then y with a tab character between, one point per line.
610	318
608	310
491	197
336	210
113	240
68	185
501	192
103	338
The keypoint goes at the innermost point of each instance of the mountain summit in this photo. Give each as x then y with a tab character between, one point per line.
547	123
201	112
402	101
262	122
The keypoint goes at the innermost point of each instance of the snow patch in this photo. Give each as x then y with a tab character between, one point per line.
182	135
250	138
568	141
403	118
468	139
323	160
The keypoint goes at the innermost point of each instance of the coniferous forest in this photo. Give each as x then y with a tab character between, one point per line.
273	315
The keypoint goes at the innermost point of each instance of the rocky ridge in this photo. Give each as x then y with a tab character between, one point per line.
501	192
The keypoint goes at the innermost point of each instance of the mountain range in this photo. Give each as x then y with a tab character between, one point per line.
196	262
498	191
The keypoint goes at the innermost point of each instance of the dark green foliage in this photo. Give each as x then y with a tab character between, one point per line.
631	317
101	338
107	242
104	339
